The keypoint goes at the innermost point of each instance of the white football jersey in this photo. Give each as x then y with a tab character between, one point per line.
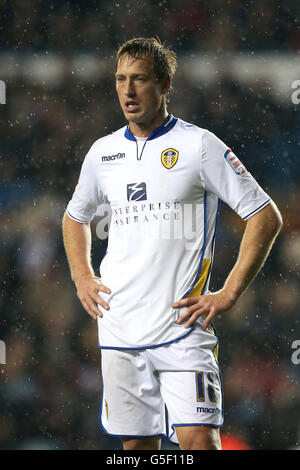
164	194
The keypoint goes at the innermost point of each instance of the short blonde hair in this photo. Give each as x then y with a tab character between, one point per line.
164	60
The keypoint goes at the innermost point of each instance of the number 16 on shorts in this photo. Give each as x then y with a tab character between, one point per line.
207	390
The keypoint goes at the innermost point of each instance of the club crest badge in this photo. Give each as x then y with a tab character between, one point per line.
169	158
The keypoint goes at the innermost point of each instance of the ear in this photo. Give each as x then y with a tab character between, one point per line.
165	85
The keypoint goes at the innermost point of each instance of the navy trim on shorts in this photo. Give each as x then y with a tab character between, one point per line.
220	374
166	421
119	348
222	393
166	434
192	424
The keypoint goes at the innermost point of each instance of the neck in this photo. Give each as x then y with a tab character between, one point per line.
144	129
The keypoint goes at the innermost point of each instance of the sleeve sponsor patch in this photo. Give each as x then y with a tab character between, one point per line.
235	163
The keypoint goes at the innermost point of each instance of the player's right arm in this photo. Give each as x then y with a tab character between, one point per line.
77	241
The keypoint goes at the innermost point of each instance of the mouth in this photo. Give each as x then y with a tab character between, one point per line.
131	106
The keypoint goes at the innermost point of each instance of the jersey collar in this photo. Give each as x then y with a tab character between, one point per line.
161	130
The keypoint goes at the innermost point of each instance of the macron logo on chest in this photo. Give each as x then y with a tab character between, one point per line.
109	158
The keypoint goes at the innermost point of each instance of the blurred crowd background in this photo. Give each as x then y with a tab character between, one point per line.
50	387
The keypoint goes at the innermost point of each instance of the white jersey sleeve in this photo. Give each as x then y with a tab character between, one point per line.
87	195
223	174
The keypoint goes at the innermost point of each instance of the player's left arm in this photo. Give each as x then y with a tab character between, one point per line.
260	233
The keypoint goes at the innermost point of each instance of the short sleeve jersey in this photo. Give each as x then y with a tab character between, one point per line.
164	195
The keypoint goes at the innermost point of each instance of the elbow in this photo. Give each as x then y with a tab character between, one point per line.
279	223
268	221
275	221
276	226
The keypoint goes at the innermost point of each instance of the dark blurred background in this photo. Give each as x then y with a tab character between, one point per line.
236	64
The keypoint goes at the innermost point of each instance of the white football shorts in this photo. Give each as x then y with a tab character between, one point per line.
150	392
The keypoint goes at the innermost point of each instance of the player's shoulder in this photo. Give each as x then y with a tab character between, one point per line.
107	140
206	136
188	127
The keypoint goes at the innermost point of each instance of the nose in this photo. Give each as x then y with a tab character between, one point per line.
129	89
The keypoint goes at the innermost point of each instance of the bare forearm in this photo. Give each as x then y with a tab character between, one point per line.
77	241
259	236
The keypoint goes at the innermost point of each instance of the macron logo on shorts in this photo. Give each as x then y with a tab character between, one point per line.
204	409
136	192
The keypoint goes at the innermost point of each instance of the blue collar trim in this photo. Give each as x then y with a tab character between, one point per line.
161	130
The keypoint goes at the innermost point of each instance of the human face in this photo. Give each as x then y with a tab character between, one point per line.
140	95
